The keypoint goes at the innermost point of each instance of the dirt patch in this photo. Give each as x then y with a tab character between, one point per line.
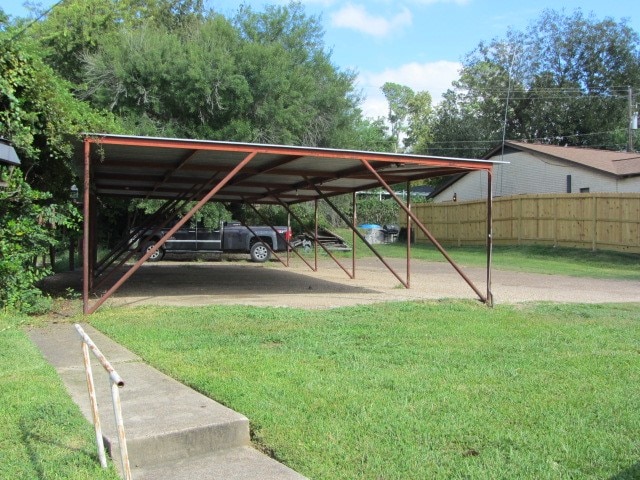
272	284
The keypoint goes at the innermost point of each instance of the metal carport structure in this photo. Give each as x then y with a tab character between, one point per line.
181	170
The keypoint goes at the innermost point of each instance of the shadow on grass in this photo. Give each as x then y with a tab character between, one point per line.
40	445
631	473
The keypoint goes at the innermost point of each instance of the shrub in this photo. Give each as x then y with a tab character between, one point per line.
27	231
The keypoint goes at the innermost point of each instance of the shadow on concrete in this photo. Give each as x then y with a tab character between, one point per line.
215	279
226	279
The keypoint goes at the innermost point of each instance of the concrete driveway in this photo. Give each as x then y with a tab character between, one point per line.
272	284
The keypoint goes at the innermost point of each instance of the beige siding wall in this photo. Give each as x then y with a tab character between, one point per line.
529	174
596	221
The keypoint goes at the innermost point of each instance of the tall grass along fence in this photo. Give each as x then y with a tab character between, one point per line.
598	221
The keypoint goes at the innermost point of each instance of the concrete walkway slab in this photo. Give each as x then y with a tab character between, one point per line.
243	463
171	429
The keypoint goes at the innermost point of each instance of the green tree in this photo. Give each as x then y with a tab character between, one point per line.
398	97
41	117
380	212
420	115
77	28
458	129
298	95
409	116
366	134
27	222
263	78
39	114
562	81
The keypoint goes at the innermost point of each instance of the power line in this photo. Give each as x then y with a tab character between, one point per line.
620	88
493	142
40	17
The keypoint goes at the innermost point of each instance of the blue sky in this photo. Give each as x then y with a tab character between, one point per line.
418	43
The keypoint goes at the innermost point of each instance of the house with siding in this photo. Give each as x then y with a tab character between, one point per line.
538	169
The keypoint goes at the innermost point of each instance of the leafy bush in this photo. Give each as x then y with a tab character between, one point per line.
381	212
27	231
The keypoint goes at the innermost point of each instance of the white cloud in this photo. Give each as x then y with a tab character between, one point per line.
434	77
357	18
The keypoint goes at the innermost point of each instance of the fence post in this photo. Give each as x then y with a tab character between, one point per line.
555	222
458	208
519	221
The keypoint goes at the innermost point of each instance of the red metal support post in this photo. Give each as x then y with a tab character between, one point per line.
290	235
315	235
85	229
489	301
409	235
297	219
172	231
353	235
316	243
424	229
354	230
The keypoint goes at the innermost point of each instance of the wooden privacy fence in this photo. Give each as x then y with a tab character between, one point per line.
599	221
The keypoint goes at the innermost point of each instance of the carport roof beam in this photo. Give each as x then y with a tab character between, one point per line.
139	167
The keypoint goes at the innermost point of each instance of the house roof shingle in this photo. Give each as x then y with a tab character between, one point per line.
623	164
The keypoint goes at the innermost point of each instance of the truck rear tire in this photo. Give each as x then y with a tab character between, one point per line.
260	253
157	255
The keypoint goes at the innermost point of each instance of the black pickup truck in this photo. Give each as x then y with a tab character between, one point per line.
231	237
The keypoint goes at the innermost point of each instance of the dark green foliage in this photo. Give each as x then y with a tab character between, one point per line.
27	230
264	78
381	212
39	114
366	134
211	214
74	29
563	81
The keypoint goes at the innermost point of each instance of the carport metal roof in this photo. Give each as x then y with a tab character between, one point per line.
144	167
200	170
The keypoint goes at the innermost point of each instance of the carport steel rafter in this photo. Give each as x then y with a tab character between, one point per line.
181	170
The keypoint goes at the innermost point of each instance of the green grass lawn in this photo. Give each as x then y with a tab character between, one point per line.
43	435
414	390
405	390
527	258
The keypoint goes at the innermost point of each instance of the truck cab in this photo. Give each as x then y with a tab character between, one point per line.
230	237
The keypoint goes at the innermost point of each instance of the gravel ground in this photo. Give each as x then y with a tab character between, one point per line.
243	282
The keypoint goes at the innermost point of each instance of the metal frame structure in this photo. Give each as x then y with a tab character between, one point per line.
115	382
180	171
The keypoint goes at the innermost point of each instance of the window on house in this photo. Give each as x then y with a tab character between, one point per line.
568	183
584	190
